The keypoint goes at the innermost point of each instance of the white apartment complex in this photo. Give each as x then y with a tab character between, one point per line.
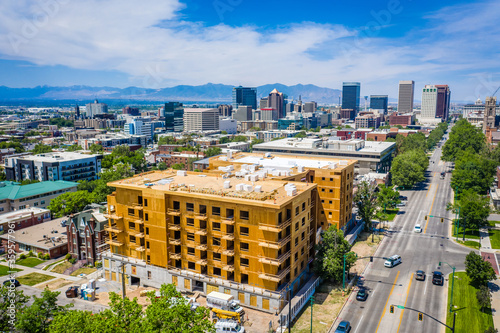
201	119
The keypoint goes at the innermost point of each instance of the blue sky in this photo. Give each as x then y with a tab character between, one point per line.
161	43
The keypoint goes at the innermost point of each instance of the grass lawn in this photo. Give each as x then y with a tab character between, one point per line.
469	233
471	244
29	262
60	268
495	238
49	267
493	223
34	278
391	213
327	303
83	270
469	316
5	269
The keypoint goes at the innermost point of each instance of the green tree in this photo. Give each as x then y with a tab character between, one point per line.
3	176
213	151
478	270
167	140
387	197
36	318
12	144
74	321
301	134
71	202
463	137
415	141
409	168
178	166
74	147
474	209
29	181
329	261
41	148
224	132
162	166
365	200
18	300
491	329
483	296
61	122
124	315
96	149
472	171
171	313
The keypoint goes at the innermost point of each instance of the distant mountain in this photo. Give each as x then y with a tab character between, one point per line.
209	92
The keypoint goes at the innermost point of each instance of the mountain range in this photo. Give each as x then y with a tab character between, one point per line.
210	92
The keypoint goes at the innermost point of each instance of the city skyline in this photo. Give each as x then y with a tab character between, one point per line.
193	42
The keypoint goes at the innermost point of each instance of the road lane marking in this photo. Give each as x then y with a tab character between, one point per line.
430	211
406	300
387	302
425	290
428	190
360	322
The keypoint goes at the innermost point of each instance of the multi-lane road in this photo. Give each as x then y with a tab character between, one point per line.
419	251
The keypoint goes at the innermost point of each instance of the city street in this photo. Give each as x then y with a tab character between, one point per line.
419	251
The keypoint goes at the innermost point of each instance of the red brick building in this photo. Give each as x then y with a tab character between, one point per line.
401	119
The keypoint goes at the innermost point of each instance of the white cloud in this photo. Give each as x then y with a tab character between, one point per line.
150	41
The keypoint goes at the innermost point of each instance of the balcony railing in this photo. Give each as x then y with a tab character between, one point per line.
113	216
137	206
175	241
202	262
113	228
275	227
228	220
114	242
176	256
175	227
275	277
174	212
200	216
201	247
137	234
229	268
228	252
275	261
275	245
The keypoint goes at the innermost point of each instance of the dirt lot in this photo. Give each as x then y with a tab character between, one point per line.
103	297
54	285
365	248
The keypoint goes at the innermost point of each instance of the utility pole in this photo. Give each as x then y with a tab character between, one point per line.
343	274
290	309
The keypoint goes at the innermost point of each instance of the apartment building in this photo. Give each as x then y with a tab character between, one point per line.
251	238
201	119
67	166
16	197
334	178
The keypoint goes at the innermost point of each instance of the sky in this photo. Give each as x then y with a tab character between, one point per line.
163	43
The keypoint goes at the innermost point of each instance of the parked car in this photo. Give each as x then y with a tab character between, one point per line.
393	261
420	275
343	327
401	204
8	282
362	294
418	228
437	278
403	198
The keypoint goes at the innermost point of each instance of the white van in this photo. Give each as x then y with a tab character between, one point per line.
225	326
393	261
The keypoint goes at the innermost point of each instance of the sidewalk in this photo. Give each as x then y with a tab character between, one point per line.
495	301
28	270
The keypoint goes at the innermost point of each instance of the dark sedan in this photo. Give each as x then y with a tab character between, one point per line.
8	282
362	294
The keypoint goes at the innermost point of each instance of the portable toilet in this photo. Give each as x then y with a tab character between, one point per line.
92	284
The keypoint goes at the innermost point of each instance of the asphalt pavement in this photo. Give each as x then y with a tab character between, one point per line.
419	251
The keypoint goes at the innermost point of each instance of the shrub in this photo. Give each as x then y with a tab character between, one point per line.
72	260
22	256
98	264
68	256
31	254
40	255
46	256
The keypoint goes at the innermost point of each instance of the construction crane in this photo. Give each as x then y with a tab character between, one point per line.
495	92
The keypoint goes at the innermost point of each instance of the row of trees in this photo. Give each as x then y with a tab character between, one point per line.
167	313
475	165
411	161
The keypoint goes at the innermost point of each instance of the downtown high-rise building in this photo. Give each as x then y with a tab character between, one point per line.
95	108
174	117
275	101
443	101
350	96
405	99
429	101
244	96
379	102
